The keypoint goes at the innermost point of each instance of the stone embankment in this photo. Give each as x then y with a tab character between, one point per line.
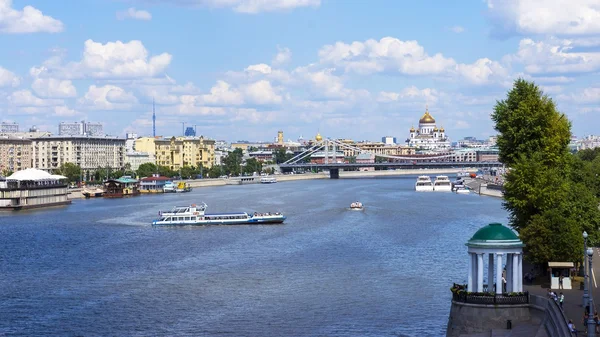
484	187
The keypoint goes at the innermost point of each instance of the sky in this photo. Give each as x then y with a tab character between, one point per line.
244	69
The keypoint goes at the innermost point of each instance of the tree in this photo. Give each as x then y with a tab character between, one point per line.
215	171
69	170
545	191
528	122
6	172
146	170
252	165
232	162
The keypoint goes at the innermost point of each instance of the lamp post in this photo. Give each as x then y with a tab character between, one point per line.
591	324
586	296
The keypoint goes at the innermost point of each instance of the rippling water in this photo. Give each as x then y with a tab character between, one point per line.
97	267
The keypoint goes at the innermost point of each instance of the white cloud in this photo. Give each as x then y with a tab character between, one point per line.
136	14
585	96
24	98
410	95
259	68
28	20
53	88
113	60
408	58
8	78
284	55
557	17
64	111
261	92
223	94
554	56
107	97
244	6
457	29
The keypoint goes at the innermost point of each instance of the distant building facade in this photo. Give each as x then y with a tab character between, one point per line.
80	129
9	127
190	132
177	152
15	154
428	136
388	140
366	158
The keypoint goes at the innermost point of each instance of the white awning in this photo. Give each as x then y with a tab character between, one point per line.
561	264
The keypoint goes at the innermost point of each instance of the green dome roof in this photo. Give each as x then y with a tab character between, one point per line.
495	234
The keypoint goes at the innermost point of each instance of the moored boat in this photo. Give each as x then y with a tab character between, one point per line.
195	215
268	180
92	193
442	184
423	184
183	187
462	190
169	187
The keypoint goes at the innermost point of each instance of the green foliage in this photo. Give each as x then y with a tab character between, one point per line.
215	171
550	194
528	122
69	170
233	162
281	156
146	170
6	172
252	165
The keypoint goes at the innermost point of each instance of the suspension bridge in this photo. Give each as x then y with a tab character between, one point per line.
329	158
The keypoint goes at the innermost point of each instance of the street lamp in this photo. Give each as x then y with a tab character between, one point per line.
591	324
586	296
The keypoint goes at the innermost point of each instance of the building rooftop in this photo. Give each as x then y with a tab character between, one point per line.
34	174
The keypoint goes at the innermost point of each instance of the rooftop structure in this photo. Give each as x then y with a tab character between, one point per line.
428	135
9	127
32	188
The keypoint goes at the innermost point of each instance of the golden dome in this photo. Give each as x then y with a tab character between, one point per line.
427	118
318	138
435	129
442	129
412	129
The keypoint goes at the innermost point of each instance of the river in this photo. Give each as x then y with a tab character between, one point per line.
97	268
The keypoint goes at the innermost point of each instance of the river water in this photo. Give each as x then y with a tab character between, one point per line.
97	268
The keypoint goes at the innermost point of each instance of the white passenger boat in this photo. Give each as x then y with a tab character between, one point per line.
423	184
195	215
442	184
169	187
268	180
356	206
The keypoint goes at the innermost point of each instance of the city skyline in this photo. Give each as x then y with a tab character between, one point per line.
244	69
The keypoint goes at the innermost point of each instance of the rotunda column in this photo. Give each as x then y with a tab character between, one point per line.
520	271
515	273
509	270
470	277
499	283
490	276
480	272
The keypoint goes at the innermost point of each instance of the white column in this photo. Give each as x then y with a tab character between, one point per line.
474	270
480	273
470	277
515	273
490	272
499	283
509	260
520	281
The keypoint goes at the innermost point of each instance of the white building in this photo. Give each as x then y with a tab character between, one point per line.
588	142
388	140
90	153
130	142
428	136
9	127
80	129
135	159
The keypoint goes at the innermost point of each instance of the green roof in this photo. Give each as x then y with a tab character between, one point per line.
495	234
126	180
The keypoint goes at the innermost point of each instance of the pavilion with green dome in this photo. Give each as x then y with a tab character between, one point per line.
496	241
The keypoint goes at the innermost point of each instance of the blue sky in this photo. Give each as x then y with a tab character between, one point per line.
243	69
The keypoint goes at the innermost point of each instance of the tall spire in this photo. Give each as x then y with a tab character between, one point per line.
153	119
426	107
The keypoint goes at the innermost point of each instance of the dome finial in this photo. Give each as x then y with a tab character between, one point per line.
426	107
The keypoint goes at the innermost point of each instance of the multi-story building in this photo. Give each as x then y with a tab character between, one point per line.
378	148
388	140
178	152
130	142
80	129
135	159
15	154
90	153
27	135
9	127
588	142
190	132
262	155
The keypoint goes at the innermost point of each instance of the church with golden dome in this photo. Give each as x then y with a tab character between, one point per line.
428	136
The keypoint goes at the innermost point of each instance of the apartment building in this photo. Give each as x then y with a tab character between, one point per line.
90	153
9	127
378	148
15	154
177	152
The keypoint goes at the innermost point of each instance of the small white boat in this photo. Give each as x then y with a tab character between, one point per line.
194	215
169	187
442	184
462	190
423	184
268	180
356	206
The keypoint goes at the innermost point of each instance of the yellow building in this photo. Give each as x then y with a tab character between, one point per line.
379	148
15	154
178	152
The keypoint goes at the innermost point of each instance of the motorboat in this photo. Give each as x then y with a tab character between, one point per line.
462	190
423	184
462	174
356	206
442	184
268	180
169	187
92	192
194	215
183	187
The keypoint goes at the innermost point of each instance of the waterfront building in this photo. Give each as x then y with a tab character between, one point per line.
154	184
15	154
90	153
122	187
262	156
377	148
178	152
32	188
428	135
388	140
9	127
366	158
80	129
135	159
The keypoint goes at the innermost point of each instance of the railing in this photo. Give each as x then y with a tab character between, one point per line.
488	298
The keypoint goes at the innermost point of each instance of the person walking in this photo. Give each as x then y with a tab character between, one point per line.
560	282
561	299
